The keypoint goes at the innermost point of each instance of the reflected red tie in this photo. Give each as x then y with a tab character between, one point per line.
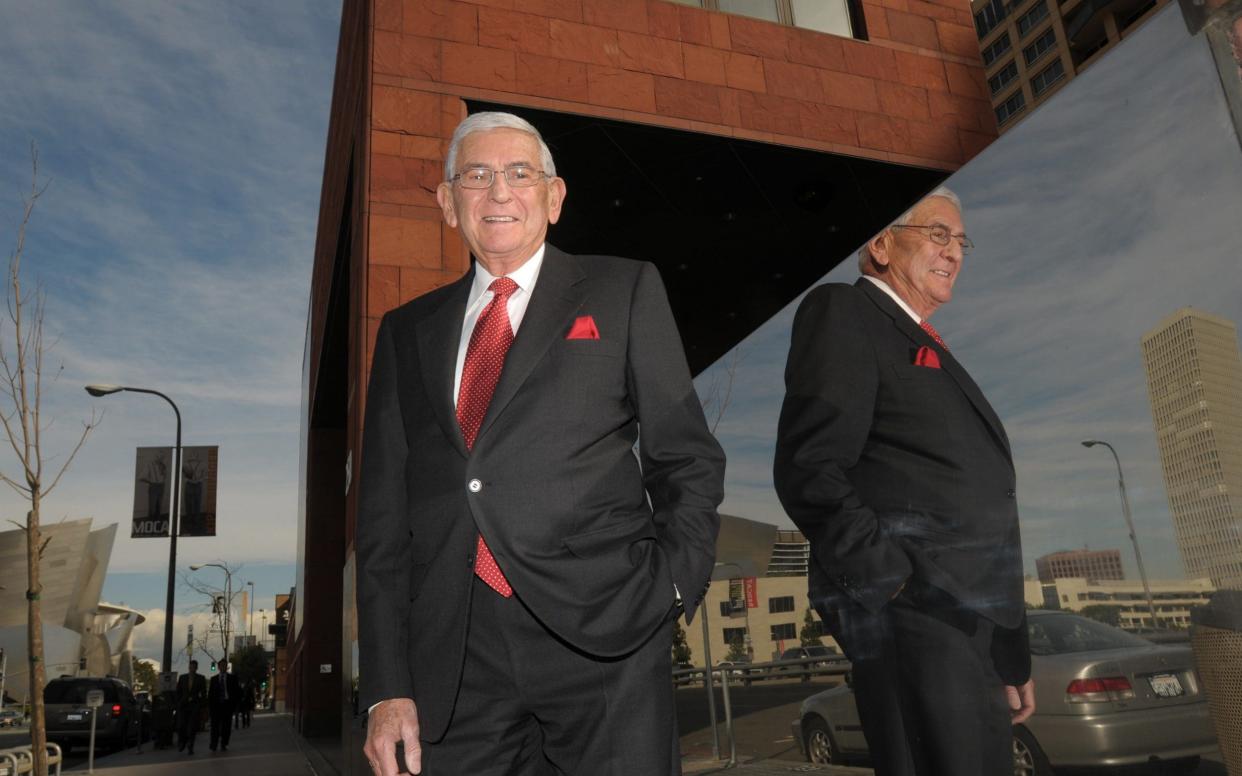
485	357
935	335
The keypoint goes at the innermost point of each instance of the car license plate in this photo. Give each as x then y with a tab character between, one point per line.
1166	685
74	717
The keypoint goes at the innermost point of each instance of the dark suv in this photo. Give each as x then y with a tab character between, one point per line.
69	718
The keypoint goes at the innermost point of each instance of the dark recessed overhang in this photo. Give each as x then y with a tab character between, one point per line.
737	228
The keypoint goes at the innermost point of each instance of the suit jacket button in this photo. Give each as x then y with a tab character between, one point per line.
474	486
470	561
1011	493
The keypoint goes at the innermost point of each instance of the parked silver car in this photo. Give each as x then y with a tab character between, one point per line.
1103	697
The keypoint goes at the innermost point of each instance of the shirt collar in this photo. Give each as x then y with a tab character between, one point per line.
886	288
524	276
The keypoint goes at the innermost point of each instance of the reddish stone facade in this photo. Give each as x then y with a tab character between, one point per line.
913	94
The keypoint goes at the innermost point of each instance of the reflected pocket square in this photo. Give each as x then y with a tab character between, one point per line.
583	328
927	357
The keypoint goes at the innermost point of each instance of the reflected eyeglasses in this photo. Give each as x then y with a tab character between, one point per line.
941	234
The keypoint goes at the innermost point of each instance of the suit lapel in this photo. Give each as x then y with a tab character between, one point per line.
556	298
439	336
948	363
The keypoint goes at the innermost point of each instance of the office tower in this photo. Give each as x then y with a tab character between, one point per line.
1194	382
1087	564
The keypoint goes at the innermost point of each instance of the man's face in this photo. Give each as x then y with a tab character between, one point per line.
920	270
193	667
503	226
223	666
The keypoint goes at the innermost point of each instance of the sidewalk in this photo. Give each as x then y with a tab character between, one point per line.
269	747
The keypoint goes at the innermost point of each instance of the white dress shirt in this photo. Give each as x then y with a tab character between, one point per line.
525	276
886	288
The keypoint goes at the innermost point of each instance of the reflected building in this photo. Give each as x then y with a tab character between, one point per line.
1173	598
1194	382
1089	564
1031	48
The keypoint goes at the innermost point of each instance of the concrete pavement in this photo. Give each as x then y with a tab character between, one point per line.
269	747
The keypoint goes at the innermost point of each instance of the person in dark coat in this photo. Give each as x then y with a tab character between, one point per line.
191	692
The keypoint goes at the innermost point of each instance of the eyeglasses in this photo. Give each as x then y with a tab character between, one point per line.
941	234
518	176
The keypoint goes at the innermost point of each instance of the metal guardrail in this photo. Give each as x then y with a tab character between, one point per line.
746	673
20	759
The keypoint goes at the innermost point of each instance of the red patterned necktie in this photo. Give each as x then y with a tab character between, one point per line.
935	335
485	357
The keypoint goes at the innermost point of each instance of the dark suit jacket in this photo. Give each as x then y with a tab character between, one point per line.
215	697
191	692
895	471
591	536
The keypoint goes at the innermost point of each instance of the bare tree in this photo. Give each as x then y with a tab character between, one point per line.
22	374
221	607
719	392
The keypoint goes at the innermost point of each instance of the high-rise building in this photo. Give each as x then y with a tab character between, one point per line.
1088	564
1031	48
1194	381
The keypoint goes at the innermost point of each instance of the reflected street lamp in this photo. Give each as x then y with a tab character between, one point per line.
250	619
228	599
1125	511
174	511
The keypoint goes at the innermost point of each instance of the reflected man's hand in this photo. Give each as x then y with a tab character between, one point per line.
391	721
1021	701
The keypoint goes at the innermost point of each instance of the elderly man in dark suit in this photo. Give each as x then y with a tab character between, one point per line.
520	560
900	475
223	695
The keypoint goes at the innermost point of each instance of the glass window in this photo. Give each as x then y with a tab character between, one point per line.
824	15
760	9
1009	108
1050	75
784	630
989	16
1058	634
994	51
1028	20
783	603
1003	77
734	635
1041	45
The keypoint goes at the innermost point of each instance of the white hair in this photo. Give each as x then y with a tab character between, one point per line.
864	253
488	120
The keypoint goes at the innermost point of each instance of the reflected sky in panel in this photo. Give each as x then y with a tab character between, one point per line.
1111	206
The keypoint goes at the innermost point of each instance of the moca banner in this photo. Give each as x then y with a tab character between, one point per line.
198	490
153	491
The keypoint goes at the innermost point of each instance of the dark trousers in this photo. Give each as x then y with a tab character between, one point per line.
532	705
187	725
221	724
929	698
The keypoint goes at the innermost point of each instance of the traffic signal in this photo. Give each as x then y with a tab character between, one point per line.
213	666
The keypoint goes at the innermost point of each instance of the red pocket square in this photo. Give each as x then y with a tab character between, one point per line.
583	328
927	357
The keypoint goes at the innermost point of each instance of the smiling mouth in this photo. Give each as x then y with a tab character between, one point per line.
498	219
941	273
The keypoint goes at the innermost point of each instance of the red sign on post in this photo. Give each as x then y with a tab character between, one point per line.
752	592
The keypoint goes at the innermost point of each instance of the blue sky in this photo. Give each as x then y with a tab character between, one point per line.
1109	208
184	147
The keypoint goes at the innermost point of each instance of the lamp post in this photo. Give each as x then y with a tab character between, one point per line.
750	650
228	599
250	619
174	512
263	630
1125	511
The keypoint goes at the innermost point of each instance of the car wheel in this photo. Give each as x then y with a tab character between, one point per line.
1028	758
819	747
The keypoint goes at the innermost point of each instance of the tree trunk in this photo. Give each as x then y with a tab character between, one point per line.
38	725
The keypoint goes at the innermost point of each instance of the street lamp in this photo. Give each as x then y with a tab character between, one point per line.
263	629
250	619
174	511
228	599
1125	510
